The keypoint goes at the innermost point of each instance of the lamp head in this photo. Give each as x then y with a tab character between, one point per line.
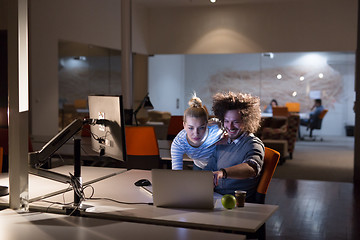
147	104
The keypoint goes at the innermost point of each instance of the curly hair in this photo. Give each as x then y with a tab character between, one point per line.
248	105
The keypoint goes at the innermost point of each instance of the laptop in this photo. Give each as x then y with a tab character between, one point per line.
182	188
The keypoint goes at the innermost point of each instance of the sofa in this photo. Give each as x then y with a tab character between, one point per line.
275	130
160	121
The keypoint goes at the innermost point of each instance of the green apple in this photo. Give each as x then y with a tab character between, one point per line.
228	201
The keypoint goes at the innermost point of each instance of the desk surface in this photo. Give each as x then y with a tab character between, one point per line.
35	226
40	187
121	188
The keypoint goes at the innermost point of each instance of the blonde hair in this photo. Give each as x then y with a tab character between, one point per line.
196	109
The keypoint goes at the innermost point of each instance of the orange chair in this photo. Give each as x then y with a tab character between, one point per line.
293	107
271	160
316	124
142	148
175	126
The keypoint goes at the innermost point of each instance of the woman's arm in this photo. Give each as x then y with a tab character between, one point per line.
177	153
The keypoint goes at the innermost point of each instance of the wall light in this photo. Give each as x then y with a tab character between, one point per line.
269	54
213	1
312	59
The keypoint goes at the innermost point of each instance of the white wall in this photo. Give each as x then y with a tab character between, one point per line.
167	82
277	26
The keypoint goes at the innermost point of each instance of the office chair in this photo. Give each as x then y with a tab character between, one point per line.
175	126
316	125
271	160
293	107
142	148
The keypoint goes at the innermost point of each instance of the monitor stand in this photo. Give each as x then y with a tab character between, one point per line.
77	183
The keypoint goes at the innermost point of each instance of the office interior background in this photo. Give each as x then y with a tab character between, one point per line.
174	78
193	35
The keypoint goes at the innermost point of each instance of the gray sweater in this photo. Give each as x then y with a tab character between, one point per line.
245	149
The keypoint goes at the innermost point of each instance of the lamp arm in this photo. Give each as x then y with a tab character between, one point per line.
142	102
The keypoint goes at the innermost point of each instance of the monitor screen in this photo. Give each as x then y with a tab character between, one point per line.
108	138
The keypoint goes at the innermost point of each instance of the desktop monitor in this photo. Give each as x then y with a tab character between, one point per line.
108	134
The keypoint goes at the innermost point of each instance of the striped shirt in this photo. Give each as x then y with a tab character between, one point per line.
200	155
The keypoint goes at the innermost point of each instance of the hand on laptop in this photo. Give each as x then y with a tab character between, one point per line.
217	176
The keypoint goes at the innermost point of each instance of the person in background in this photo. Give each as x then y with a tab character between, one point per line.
197	139
237	164
316	109
273	103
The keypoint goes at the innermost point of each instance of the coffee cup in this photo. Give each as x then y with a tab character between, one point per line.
240	198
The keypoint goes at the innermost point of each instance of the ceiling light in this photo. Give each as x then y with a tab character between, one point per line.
321	75
294	94
279	76
302	78
213	1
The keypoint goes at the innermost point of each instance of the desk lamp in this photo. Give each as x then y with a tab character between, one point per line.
146	104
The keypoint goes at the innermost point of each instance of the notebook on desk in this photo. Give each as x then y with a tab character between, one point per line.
182	188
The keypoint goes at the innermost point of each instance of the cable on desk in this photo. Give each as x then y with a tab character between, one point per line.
116	201
79	192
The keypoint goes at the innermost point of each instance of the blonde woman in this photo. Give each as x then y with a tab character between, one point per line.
197	139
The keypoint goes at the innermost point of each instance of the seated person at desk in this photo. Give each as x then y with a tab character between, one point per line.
269	107
314	114
237	160
197	139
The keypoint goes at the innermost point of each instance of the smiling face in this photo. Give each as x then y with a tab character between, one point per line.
195	130
232	123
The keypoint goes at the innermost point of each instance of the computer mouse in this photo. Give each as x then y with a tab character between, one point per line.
142	182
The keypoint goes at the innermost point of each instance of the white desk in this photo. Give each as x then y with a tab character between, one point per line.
41	226
121	188
40	187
